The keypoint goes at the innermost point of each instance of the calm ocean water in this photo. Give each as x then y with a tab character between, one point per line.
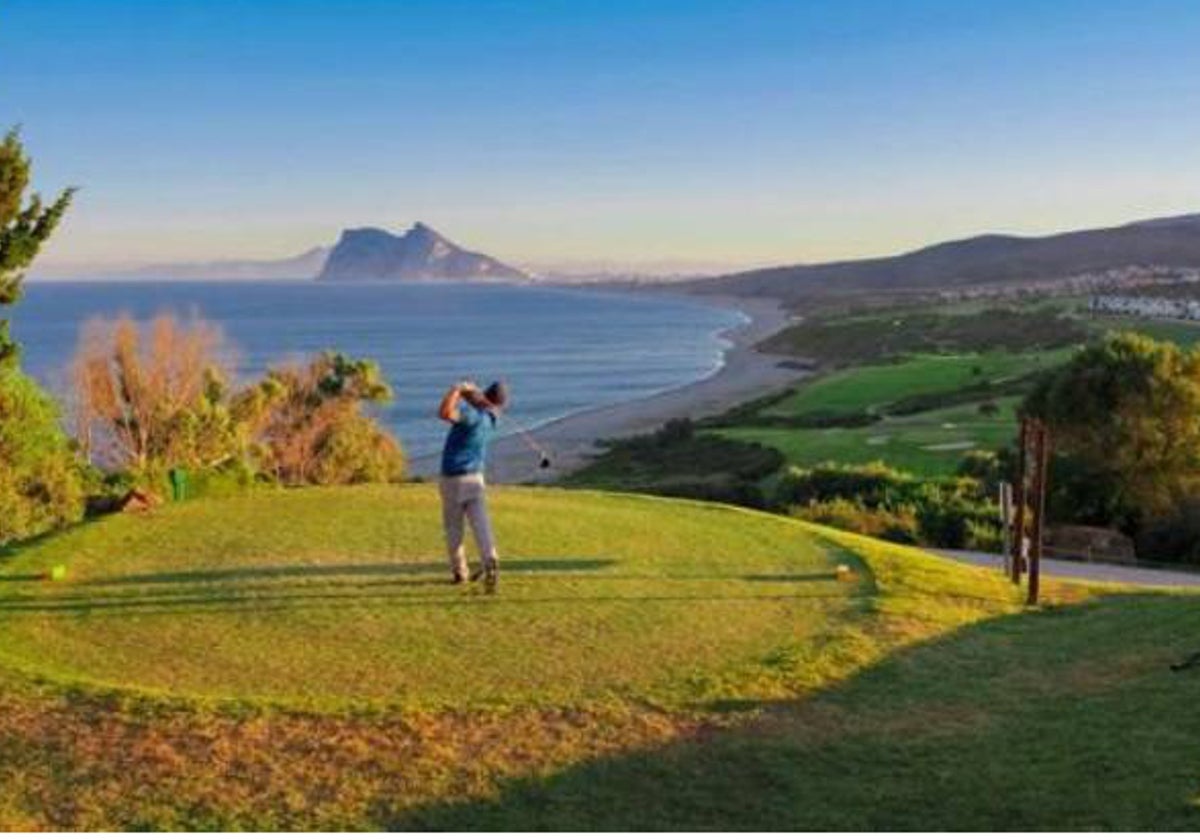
561	350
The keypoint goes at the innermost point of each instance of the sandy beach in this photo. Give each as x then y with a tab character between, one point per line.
745	374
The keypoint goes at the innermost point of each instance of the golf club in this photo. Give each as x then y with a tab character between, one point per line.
530	441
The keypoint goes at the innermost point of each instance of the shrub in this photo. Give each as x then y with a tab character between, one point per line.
153	397
872	484
1173	539
355	450
987	468
883	502
309	425
676	461
894	525
148	398
730	491
41	483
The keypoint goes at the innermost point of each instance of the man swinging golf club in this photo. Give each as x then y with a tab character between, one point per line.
472	415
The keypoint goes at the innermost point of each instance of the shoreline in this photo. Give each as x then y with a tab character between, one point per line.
745	373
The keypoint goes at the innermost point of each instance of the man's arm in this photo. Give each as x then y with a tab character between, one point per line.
448	410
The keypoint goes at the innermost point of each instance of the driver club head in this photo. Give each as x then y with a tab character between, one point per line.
545	462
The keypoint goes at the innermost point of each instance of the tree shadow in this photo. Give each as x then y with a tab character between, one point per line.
1066	718
340	570
390	585
784	577
198	602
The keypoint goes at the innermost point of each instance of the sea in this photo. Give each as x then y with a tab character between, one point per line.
561	350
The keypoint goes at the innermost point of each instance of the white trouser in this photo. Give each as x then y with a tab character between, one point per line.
466	496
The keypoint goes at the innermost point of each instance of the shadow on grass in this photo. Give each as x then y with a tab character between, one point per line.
789	578
212	602
388	585
338	570
1065	719
23	578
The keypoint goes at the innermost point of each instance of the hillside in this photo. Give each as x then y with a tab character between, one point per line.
979	261
421	253
294	660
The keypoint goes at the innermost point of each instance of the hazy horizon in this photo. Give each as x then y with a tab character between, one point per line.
728	134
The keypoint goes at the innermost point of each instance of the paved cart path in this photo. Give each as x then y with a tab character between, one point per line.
1106	572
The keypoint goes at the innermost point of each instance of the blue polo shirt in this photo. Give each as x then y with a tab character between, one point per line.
466	443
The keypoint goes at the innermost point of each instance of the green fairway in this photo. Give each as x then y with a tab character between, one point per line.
874	387
929	444
329	597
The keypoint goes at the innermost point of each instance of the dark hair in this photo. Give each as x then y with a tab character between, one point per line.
497	394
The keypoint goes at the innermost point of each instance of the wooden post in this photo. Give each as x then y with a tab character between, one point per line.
1006	523
1041	467
1019	501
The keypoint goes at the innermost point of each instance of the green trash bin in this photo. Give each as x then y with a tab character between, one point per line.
179	484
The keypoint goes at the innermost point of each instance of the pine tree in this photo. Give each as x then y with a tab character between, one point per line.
24	227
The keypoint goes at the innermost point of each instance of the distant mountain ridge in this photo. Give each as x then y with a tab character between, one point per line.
991	259
421	253
300	267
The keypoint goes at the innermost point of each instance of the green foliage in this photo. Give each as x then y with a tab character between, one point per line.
879	501
676	460
25	225
892	335
898	525
41	485
310	426
155	397
356	450
1173	538
1124	415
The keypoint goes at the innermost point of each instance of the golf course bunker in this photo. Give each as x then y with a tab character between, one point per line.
951	446
330	597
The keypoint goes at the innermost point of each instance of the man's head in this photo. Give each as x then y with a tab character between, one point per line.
497	394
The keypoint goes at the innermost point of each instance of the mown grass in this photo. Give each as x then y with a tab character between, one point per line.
874	387
930	444
909	698
927	330
325	598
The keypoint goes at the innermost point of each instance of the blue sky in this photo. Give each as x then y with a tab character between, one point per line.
741	132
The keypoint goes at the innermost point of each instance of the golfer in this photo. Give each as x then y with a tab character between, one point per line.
472	416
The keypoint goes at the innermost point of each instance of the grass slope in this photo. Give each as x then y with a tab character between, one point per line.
920	697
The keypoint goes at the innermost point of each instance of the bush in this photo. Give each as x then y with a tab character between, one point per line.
730	491
898	526
153	397
1174	539
988	468
676	461
41	483
355	450
880	501
874	484
309	423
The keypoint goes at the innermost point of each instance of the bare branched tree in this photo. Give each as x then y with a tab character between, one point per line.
147	394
